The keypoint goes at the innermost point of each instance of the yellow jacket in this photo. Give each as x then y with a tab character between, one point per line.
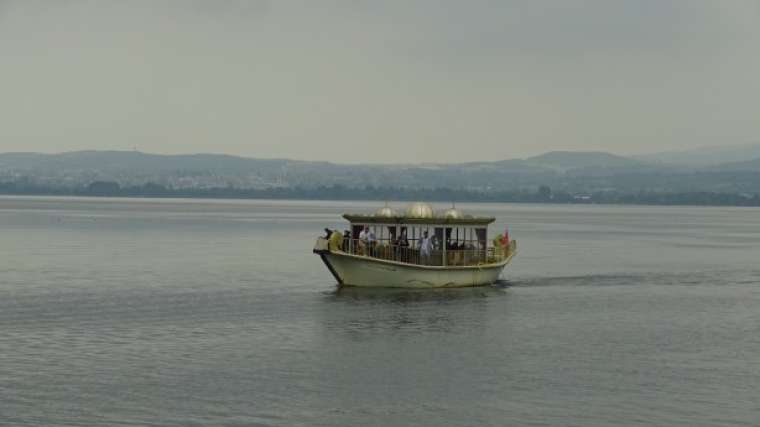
336	239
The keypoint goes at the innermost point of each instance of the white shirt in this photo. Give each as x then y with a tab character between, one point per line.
426	246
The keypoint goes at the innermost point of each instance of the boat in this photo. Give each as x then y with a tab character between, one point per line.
419	248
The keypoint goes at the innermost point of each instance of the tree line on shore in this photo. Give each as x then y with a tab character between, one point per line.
543	194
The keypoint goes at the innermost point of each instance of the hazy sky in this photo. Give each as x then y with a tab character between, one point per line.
380	81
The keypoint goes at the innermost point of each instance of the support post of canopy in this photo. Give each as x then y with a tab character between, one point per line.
443	247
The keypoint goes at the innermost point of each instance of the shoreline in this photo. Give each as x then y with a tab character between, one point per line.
751	203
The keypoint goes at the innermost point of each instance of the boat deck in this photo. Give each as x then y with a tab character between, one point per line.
412	255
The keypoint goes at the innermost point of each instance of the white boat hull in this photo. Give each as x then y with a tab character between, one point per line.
355	270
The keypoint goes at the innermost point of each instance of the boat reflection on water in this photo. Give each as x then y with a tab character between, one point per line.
386	310
404	295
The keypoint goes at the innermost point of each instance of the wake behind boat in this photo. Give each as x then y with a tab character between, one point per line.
417	249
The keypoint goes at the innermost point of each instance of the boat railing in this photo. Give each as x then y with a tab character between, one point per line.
411	254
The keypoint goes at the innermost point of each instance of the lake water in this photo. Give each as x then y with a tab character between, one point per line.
189	312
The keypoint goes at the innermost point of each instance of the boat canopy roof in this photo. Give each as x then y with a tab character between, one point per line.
403	219
419	214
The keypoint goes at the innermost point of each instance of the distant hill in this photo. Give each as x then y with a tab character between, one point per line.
569	160
134	161
705	156
746	166
473	173
568	172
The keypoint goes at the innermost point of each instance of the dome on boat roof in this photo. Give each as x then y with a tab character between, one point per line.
452	213
386	212
420	210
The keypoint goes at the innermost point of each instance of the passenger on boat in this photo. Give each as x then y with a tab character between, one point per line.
426	248
497	252
372	243
346	240
456	248
402	246
505	237
367	242
363	237
335	241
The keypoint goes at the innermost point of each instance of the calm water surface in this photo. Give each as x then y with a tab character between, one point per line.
184	313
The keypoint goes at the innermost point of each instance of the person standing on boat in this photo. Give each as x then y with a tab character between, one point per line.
403	247
426	248
505	242
505	237
334	243
371	242
363	237
367	241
